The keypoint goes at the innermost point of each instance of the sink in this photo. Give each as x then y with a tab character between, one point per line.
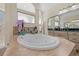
38	41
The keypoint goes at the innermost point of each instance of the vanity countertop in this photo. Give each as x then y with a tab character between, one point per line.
65	29
64	49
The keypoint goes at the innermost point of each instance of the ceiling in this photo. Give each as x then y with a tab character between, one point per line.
26	6
53	8
50	8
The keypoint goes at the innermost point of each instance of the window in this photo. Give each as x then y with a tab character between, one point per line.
57	18
40	17
26	18
40	20
75	21
56	24
75	7
49	23
63	11
57	21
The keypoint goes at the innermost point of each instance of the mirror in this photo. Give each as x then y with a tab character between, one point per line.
65	25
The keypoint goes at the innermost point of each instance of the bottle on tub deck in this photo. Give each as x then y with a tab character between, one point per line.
20	25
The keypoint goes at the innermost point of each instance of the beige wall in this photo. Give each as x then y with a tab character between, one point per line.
8	23
10	20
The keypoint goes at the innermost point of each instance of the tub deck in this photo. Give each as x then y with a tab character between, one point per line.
15	49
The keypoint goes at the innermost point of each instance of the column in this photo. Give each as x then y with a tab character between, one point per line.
37	17
45	23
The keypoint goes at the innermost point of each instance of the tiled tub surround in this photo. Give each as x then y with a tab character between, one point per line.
15	49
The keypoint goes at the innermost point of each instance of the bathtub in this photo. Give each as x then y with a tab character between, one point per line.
38	41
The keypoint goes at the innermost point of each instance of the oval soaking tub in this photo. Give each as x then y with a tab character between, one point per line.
38	41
